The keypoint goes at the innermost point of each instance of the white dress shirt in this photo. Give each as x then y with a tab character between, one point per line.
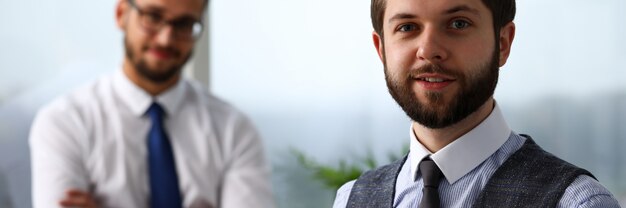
94	139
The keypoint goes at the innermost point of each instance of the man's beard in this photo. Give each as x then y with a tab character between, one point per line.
154	75
477	85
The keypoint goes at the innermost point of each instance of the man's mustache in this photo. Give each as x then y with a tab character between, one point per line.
433	69
170	50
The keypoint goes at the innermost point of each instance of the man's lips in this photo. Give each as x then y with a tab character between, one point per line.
434	81
161	54
433	77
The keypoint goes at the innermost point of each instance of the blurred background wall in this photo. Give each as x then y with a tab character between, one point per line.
307	73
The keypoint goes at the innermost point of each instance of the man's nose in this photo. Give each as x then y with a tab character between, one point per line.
165	35
431	46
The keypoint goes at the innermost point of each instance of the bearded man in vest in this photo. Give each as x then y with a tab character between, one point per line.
442	59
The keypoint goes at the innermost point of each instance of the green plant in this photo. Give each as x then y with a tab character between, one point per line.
334	177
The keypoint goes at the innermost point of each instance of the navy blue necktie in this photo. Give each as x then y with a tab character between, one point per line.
164	189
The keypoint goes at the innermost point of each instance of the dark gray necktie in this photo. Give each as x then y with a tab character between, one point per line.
431	175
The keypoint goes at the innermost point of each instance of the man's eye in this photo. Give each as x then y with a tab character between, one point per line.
184	24
407	28
153	18
459	24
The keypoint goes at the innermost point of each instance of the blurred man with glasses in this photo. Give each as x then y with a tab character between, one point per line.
145	136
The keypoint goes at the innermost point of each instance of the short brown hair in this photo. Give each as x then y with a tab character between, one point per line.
502	11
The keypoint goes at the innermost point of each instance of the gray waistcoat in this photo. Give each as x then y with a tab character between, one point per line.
531	177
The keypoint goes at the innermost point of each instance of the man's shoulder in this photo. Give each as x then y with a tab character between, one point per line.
586	191
532	156
523	171
79	99
581	190
69	114
532	163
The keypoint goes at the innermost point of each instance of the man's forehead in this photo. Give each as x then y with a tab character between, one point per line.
436	7
174	8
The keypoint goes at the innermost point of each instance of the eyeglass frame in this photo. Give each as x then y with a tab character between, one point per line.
196	29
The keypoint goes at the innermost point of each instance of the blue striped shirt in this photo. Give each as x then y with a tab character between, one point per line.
462	190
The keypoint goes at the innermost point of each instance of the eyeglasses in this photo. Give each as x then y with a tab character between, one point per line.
184	28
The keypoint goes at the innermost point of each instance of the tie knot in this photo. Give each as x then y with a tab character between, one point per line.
155	111
431	174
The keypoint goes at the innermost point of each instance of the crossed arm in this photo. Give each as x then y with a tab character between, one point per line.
78	198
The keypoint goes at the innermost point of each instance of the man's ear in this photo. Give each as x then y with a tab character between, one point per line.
507	34
378	43
121	14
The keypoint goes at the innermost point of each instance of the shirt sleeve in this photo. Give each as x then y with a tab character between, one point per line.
341	200
246	181
586	192
56	159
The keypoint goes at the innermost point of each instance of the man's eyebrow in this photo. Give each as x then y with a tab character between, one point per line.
160	10
153	8
400	16
462	8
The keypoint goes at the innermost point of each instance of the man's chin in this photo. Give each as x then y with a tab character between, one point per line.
431	114
160	77
433	101
159	71
162	68
161	65
157	74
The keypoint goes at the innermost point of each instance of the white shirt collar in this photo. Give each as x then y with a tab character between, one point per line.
465	153
138	100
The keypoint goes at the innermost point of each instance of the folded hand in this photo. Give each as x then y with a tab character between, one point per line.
77	198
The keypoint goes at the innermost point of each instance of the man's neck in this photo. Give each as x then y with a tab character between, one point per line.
152	88
436	139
